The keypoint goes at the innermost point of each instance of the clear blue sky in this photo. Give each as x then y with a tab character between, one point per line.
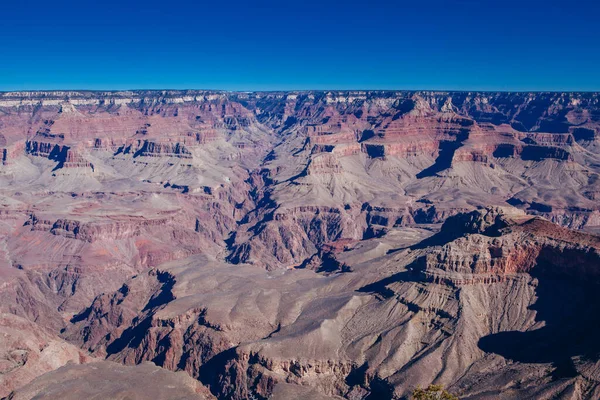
301	44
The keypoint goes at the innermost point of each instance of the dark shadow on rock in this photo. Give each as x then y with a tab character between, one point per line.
569	308
131	337
380	287
460	225
325	262
444	159
377	388
211	373
59	154
141	150
83	315
366	135
584	134
439	239
165	295
329	264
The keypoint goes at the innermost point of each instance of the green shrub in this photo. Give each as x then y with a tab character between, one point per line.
433	392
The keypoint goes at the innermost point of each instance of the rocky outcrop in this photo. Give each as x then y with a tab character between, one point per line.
9	153
110	380
379	328
248	374
27	350
288	237
153	149
65	156
271	240
43	149
496	244
121	227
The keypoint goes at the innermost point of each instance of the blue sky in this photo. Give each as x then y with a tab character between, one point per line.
309	44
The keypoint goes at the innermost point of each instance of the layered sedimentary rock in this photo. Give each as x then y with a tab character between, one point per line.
322	244
394	319
505	243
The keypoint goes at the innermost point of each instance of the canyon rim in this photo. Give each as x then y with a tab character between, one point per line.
181	244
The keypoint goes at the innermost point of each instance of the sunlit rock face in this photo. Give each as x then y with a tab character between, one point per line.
289	244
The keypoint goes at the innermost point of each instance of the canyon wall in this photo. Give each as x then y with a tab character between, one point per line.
320	243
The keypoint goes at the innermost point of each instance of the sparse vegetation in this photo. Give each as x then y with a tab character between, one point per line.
433	392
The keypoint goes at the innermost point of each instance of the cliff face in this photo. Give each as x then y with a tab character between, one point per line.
503	243
435	311
350	244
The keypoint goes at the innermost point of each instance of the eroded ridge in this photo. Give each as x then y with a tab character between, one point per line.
333	244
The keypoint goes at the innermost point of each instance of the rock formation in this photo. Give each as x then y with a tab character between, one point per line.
311	244
107	380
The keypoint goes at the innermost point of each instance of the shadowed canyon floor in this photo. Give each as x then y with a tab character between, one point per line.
299	245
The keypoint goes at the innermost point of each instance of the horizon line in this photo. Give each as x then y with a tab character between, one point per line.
3	91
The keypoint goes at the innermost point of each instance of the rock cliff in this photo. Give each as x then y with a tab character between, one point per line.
320	243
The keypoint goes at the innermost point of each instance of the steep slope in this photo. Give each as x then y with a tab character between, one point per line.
112	381
277	243
27	350
457	308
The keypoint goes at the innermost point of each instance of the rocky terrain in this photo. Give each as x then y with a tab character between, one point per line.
299	244
108	380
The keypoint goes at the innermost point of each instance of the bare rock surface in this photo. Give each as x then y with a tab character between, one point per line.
107	380
399	318
319	244
27	350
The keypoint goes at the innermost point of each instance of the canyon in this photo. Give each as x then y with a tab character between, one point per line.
302	244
